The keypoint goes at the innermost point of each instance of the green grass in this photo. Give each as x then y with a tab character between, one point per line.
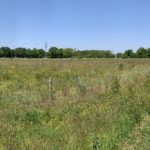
94	103
140	138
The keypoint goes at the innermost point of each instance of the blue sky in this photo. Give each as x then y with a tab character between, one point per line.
84	24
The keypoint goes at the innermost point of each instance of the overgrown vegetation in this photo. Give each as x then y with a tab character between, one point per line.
55	52
95	103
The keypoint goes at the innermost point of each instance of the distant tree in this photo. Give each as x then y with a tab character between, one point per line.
38	53
119	55
148	52
5	52
77	54
29	53
41	53
129	54
20	52
68	53
55	52
1	53
95	54
141	52
108	54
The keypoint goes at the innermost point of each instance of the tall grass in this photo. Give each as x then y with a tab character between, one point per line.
95	103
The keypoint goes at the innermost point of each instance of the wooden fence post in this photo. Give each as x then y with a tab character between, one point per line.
50	89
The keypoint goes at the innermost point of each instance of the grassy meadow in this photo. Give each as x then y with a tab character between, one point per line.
72	104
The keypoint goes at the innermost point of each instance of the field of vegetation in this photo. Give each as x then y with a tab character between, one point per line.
73	104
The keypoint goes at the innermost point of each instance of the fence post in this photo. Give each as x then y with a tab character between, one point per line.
50	89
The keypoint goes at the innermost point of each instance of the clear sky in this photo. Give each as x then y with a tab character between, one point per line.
84	24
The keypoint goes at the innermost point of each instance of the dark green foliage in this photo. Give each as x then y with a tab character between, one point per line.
148	52
119	55
55	52
96	143
142	52
128	54
21	52
68	53
35	117
95	54
5	52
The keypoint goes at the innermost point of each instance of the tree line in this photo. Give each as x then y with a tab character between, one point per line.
55	52
140	53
